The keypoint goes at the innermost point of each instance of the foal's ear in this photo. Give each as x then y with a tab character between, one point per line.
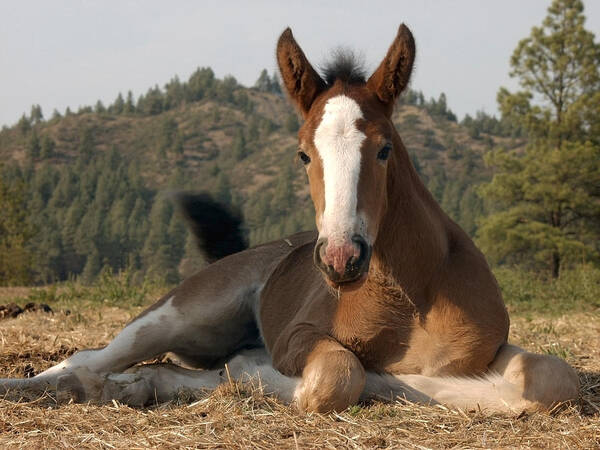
393	74
301	81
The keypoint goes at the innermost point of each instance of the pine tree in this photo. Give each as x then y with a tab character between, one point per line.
119	104
224	89
129	107
84	110
158	256
137	225
284	197
33	146
200	84
275	84
222	190
168	134
291	123
72	260
178	147
545	201
441	105
174	93
86	143
266	127
24	125
243	101
239	149
93	266
47	147
252	127
36	115
99	107
193	259
152	103
15	232
263	83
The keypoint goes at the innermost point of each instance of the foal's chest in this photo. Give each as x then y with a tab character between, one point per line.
376	332
394	336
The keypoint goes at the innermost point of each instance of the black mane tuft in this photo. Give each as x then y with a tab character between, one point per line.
344	66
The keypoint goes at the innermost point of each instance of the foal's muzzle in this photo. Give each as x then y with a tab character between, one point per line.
343	262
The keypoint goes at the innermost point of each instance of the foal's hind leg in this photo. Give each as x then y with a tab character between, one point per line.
205	319
138	386
125	350
157	383
143	338
517	381
544	380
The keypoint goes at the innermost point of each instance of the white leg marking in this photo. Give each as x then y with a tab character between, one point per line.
129	346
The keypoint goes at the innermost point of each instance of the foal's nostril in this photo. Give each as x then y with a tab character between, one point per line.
319	252
362	245
357	262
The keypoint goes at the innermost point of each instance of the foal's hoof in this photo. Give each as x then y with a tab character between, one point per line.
79	386
128	388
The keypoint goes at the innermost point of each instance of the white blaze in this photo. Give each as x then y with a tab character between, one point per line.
338	143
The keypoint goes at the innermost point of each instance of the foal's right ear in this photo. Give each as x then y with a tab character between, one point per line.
302	82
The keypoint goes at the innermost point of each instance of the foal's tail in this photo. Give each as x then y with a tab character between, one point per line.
216	227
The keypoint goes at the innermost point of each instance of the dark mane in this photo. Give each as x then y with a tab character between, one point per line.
344	66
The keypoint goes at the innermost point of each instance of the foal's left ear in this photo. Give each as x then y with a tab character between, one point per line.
301	81
393	74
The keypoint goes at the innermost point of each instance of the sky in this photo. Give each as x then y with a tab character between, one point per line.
70	53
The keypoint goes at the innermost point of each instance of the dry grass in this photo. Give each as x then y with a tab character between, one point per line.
240	416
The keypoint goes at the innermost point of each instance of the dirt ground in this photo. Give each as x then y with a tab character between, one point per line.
240	416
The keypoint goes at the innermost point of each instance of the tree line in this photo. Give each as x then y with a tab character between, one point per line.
202	84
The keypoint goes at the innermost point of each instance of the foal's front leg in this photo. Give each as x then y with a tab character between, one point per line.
332	379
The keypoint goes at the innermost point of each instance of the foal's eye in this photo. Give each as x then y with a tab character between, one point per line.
384	153
304	157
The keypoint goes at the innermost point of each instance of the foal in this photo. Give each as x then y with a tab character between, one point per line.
390	298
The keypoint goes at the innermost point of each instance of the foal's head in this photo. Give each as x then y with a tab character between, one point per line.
345	143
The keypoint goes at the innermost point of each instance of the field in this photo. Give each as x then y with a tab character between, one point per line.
561	318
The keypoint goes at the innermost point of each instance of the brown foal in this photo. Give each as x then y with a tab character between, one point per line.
390	298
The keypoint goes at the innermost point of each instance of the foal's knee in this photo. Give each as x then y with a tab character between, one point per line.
545	380
332	380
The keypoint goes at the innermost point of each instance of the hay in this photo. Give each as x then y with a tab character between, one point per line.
237	416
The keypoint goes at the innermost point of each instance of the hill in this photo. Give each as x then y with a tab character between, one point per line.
94	180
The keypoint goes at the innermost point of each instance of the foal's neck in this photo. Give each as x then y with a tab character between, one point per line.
412	241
